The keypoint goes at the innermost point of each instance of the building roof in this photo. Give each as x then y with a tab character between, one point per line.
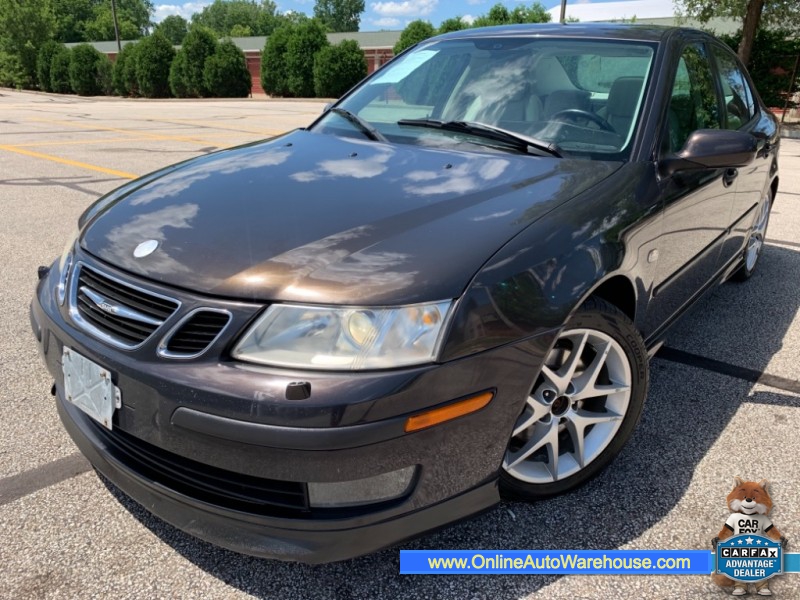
365	40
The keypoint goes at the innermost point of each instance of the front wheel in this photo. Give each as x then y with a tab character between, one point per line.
755	243
583	407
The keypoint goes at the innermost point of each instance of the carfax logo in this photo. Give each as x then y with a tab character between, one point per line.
749	558
749	548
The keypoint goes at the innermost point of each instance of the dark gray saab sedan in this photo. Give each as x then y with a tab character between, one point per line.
444	290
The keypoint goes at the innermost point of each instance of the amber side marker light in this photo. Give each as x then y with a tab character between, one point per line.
446	413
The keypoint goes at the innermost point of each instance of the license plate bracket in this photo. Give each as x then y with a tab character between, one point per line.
88	386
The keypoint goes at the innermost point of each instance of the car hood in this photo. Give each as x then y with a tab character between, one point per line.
317	218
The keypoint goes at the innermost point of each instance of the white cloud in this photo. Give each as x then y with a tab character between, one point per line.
385	22
474	2
186	10
407	8
468	19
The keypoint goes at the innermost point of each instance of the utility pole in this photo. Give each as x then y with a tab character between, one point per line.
116	25
563	11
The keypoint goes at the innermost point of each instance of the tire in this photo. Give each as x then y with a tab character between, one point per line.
755	241
568	416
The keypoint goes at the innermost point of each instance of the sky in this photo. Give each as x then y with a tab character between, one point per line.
396	14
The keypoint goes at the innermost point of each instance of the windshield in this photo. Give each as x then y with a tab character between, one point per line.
583	96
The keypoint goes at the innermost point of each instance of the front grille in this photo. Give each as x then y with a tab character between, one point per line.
124	314
206	483
197	332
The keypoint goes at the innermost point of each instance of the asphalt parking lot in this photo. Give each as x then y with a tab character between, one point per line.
724	401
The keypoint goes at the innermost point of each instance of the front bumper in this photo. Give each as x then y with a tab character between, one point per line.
227	421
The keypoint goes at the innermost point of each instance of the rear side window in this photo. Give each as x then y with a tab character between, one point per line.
693	103
738	97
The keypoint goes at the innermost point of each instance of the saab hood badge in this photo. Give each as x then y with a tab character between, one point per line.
145	249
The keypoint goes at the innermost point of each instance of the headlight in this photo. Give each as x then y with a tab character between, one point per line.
64	266
335	338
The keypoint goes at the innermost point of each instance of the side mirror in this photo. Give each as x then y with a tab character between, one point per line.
327	107
712	149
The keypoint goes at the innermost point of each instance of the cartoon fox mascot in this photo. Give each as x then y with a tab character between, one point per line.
750	504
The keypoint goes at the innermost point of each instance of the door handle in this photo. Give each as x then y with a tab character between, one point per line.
729	176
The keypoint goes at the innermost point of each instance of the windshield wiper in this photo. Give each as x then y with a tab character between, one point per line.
365	128
517	140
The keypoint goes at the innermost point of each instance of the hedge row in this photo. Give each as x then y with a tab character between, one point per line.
298	61
149	68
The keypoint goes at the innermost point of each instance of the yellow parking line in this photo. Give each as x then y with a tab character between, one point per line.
73	163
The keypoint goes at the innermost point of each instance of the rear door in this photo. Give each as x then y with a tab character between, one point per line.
740	112
697	203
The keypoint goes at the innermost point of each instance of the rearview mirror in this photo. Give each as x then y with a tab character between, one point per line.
712	149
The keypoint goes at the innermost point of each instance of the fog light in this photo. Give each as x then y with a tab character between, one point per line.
383	487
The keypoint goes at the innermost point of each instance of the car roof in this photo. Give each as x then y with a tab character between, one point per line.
621	31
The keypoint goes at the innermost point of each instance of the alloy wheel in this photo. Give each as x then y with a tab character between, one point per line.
574	410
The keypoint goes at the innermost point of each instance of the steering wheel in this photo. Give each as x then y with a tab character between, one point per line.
571	114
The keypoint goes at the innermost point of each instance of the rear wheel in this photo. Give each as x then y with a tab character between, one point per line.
583	406
755	242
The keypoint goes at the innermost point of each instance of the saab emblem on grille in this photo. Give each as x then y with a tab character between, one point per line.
145	248
109	308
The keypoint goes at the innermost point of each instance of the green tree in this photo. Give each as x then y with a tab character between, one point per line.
338	68
222	16
754	14
414	33
11	72
43	61
199	44
339	15
59	71
291	17
500	15
104	75
133	17
86	70
535	13
177	76
175	28
71	17
452	24
240	31
129	69
226	73
771	63
154	57
24	26
119	83
497	15
305	41
274	73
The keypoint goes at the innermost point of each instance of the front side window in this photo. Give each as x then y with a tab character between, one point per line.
583	96
738	97
693	103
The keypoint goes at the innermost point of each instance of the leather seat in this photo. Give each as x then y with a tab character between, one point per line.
623	98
